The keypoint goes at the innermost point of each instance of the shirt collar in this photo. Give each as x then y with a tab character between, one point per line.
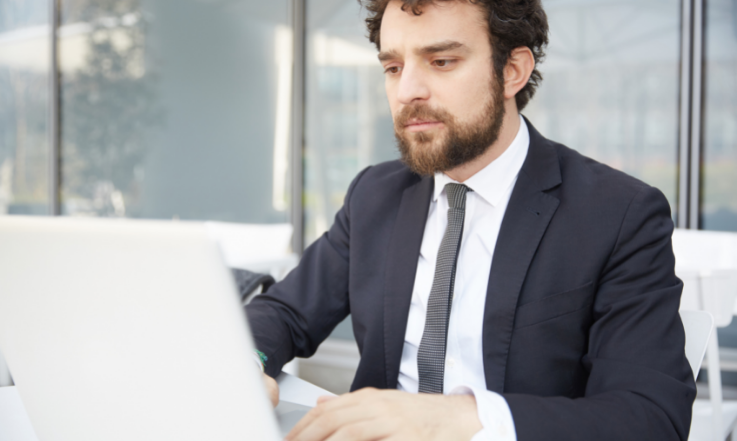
492	182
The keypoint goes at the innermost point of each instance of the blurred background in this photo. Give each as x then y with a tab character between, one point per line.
248	111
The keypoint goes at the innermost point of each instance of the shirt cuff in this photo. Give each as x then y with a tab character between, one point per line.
494	414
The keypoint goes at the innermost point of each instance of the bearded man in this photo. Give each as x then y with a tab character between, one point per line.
527	292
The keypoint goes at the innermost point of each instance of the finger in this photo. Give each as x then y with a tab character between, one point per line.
304	422
272	388
370	430
322	422
353	398
344	401
274	395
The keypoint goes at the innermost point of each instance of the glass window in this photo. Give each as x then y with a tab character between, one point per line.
176	109
719	172
24	99
611	85
348	125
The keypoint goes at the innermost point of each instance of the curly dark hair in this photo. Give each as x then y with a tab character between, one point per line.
512	24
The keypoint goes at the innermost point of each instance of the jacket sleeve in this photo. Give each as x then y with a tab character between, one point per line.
640	386
297	314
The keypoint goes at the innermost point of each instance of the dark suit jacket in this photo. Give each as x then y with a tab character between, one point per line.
581	331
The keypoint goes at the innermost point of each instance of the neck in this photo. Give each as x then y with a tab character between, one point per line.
509	129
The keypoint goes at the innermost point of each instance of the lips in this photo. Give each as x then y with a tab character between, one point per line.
417	118
418	125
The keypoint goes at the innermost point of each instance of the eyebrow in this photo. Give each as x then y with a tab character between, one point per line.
425	50
388	55
439	47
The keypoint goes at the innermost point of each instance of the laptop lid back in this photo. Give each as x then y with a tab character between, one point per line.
122	330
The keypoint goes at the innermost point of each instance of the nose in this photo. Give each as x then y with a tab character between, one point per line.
412	85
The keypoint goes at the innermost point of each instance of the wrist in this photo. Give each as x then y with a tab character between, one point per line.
465	421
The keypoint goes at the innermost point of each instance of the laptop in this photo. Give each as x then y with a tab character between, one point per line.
126	329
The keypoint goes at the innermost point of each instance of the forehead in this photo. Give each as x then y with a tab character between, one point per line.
460	21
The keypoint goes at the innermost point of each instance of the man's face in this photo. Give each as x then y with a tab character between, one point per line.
446	103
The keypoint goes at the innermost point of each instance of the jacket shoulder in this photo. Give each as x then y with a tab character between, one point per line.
589	178
391	176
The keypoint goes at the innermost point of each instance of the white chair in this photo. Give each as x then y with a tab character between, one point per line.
705	252
706	261
698	326
713	291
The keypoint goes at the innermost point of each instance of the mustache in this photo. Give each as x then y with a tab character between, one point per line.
421	112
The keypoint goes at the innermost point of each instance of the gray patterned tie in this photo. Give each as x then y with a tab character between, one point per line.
431	354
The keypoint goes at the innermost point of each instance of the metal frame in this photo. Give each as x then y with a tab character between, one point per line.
696	115
54	120
298	105
690	134
685	115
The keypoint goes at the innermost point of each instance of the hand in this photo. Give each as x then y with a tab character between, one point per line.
372	414
272	389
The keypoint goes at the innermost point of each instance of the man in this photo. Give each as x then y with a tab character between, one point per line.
530	290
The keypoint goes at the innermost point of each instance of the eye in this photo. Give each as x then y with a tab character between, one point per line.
391	70
443	62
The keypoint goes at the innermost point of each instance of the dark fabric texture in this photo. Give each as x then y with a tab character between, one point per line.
581	332
248	282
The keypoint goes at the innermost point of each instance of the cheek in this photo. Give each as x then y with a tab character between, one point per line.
467	95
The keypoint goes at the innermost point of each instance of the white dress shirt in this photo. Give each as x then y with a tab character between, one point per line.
464	364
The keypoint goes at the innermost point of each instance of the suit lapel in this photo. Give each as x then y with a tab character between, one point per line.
527	217
401	267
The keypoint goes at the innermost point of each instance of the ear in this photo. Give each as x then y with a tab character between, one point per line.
517	72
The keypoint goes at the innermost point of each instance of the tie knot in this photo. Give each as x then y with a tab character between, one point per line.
456	195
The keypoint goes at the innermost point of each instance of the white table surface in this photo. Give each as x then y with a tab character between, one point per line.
15	425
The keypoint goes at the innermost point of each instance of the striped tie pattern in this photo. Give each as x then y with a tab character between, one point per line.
431	354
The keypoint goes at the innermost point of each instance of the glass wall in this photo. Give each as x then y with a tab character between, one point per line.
24	98
176	109
348	125
719	172
611	85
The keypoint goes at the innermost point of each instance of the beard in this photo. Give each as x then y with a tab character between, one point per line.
427	153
